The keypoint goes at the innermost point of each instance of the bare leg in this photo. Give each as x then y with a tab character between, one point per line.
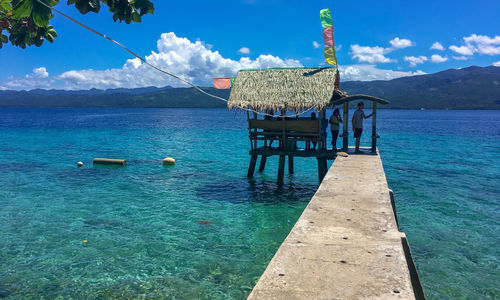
357	143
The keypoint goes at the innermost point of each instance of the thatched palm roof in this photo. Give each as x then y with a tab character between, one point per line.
284	88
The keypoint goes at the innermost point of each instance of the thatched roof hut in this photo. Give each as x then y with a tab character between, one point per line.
293	89
285	88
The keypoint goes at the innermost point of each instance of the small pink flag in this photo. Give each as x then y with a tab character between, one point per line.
328	36
222	83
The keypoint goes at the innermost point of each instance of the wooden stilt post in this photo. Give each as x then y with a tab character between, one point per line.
319	170
262	165
251	167
374	127
255	130
290	164
322	168
322	123
345	125
319	141
281	168
249	130
283	128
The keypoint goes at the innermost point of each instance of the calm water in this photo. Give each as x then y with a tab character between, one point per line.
141	222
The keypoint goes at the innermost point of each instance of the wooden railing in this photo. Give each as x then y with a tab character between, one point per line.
287	132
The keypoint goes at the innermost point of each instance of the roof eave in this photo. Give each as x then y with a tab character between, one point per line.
357	97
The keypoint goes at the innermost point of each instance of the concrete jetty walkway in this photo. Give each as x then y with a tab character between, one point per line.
346	244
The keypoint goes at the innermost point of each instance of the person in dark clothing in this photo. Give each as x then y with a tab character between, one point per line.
334	121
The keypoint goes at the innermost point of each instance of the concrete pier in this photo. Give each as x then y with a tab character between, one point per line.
346	244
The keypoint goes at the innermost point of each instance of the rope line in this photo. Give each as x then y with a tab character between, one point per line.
157	68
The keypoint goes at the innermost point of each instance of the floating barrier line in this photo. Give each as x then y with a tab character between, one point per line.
155	67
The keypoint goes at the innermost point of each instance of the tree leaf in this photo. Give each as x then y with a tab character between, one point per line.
41	14
24	10
49	38
136	17
51	31
85	6
6	6
28	21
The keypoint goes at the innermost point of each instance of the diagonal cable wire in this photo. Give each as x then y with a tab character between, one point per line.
155	67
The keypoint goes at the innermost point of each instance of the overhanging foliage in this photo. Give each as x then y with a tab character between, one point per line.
26	22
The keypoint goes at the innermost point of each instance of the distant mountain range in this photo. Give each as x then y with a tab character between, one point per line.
141	97
467	88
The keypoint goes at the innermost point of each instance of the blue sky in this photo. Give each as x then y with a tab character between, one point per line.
203	39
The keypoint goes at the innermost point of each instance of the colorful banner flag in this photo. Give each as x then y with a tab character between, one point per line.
222	83
327	23
330	56
328	37
232	81
326	18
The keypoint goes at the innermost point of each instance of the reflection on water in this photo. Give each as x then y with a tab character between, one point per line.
256	191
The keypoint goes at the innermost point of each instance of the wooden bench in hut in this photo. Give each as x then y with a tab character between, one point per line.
293	93
290	131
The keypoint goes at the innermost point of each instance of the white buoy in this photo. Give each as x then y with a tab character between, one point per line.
169	161
79	164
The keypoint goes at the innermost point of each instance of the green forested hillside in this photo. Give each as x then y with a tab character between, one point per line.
168	97
467	88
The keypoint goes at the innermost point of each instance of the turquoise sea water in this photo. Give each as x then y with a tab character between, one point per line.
142	221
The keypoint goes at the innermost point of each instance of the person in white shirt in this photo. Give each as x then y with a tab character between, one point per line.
357	123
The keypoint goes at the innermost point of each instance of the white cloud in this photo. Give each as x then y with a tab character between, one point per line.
371	72
463	50
338	47
460	57
398	43
436	58
415	60
481	44
437	46
377	54
316	45
39	78
39	73
370	55
244	50
484	44
192	61
497	63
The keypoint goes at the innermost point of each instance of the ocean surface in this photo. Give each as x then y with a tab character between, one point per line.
201	229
